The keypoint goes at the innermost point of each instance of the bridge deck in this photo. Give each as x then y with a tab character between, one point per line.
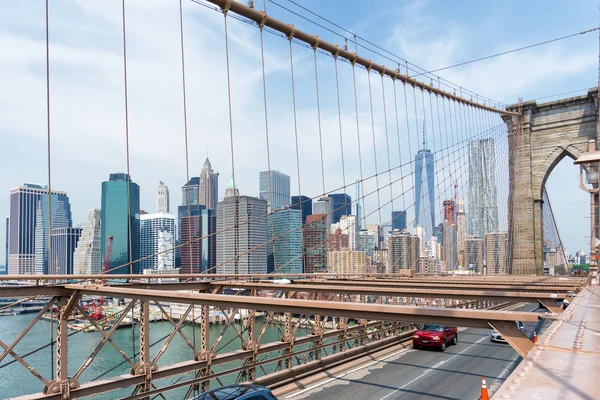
566	360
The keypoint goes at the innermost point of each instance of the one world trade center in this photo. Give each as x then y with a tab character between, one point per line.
424	189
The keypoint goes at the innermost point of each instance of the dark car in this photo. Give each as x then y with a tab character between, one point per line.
439	336
238	392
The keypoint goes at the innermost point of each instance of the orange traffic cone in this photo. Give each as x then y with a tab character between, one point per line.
484	392
534	337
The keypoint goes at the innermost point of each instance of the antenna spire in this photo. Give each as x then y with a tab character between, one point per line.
424	142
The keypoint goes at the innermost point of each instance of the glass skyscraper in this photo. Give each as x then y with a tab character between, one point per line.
342	205
29	227
278	189
284	254
398	220
303	203
116	222
424	189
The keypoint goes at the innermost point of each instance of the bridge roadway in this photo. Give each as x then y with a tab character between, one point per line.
427	374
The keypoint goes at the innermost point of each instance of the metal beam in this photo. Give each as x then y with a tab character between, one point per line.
402	292
456	317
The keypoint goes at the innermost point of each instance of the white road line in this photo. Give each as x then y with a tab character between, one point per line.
346	373
431	369
504	372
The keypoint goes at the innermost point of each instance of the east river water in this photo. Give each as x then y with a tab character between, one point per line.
15	380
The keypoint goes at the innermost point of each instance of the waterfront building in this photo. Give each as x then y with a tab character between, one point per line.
29	227
474	258
121	219
347	262
496	253
483	207
403	251
197	228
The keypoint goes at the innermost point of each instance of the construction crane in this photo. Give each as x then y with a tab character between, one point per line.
106	266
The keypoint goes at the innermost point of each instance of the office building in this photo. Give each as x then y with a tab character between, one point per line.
196	233
425	188
6	246
274	188
496	253
303	203
324	206
209	187
347	262
29	227
242	234
121	219
284	254
449	250
398	220
377	232
403	251
315	236
337	241
162	198
342	205
64	243
190	192
474	258
483	207
157	234
349	227
87	258
461	234
367	241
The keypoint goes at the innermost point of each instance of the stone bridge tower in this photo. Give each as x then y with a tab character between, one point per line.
538	139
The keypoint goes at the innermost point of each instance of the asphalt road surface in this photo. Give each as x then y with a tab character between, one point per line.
427	374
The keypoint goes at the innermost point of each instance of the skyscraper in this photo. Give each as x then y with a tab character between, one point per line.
162	198
190	192
87	258
461	232
474	255
209	187
315	243
483	208
155	229
303	203
284	253
6	248
29	227
342	205
197	237
449	251
424	188
403	251
121	220
324	205
275	185
242	234
398	220
349	227
496	253
64	242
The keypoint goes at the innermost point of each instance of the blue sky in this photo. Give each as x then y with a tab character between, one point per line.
87	89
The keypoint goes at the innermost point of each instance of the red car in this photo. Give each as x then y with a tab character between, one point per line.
435	336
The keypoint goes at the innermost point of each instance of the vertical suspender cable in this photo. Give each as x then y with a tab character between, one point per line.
49	233
264	82
235	195
129	230
374	148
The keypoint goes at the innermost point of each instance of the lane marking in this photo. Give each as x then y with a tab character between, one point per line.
432	369
316	385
